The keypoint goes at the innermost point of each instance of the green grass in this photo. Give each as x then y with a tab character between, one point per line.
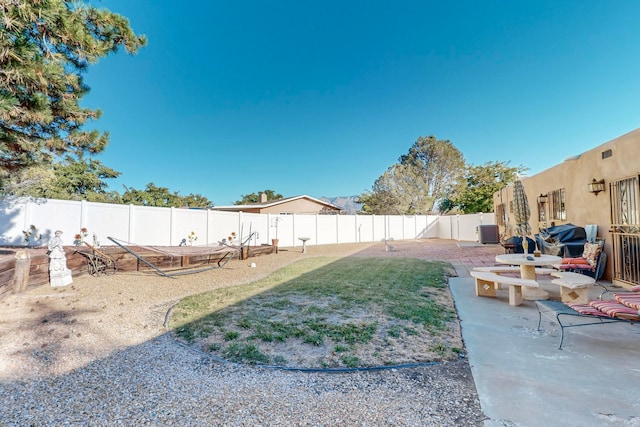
341	305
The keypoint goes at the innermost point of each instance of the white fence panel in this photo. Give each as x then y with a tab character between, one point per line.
395	228
284	229
346	226
13	222
223	224
327	229
304	226
186	223
427	227
63	215
409	229
256	226
380	228
107	220
432	227
365	228
443	227
150	226
466	225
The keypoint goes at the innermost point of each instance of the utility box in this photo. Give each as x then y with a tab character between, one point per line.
488	234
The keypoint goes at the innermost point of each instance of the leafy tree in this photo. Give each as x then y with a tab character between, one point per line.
400	190
45	46
29	181
475	193
439	165
428	172
70	179
196	201
83	180
379	202
255	197
153	195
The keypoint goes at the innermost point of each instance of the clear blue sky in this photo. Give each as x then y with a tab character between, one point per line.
321	97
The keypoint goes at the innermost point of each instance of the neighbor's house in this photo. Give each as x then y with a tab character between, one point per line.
301	205
600	186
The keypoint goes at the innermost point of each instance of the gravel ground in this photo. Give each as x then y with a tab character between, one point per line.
95	353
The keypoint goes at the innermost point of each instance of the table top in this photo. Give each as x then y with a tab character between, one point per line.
521	259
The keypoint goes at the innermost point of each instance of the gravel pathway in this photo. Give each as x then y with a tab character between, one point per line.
95	353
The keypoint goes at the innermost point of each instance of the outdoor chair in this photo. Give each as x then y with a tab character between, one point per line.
624	307
592	262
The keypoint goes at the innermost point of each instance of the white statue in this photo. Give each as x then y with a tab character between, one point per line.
59	274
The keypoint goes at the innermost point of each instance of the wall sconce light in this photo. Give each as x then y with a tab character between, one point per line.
596	186
542	199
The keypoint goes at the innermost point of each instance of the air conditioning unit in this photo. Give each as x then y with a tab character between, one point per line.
488	234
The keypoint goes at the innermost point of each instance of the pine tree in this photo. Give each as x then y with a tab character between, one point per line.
45	46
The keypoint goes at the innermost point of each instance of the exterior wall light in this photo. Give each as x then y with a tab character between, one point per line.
542	199
596	186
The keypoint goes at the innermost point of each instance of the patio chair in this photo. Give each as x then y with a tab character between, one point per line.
624	307
592	262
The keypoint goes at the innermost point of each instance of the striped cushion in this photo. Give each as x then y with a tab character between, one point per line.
615	309
586	309
579	260
630	299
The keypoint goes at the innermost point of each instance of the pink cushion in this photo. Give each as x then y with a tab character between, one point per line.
635	288
615	309
586	309
579	260
630	299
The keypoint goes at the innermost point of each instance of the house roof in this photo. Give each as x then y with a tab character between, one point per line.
275	202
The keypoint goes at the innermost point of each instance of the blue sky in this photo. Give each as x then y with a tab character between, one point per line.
321	97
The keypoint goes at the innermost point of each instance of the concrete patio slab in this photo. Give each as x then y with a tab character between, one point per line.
523	379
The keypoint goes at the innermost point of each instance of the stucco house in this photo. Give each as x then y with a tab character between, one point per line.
301	205
600	186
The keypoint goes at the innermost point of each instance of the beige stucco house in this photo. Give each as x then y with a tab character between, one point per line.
303	205
599	186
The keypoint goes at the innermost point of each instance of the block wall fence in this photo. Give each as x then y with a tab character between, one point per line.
154	226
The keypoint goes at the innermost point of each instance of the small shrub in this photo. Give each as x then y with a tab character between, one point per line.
315	339
214	347
248	353
350	361
244	323
231	335
341	348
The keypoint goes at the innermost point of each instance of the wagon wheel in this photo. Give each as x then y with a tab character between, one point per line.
94	266
110	266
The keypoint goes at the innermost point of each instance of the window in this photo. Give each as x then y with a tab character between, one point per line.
625	221
624	205
558	209
542	214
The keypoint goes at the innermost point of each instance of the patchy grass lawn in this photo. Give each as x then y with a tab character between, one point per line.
328	312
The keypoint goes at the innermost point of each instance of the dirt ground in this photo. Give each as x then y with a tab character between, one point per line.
52	331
